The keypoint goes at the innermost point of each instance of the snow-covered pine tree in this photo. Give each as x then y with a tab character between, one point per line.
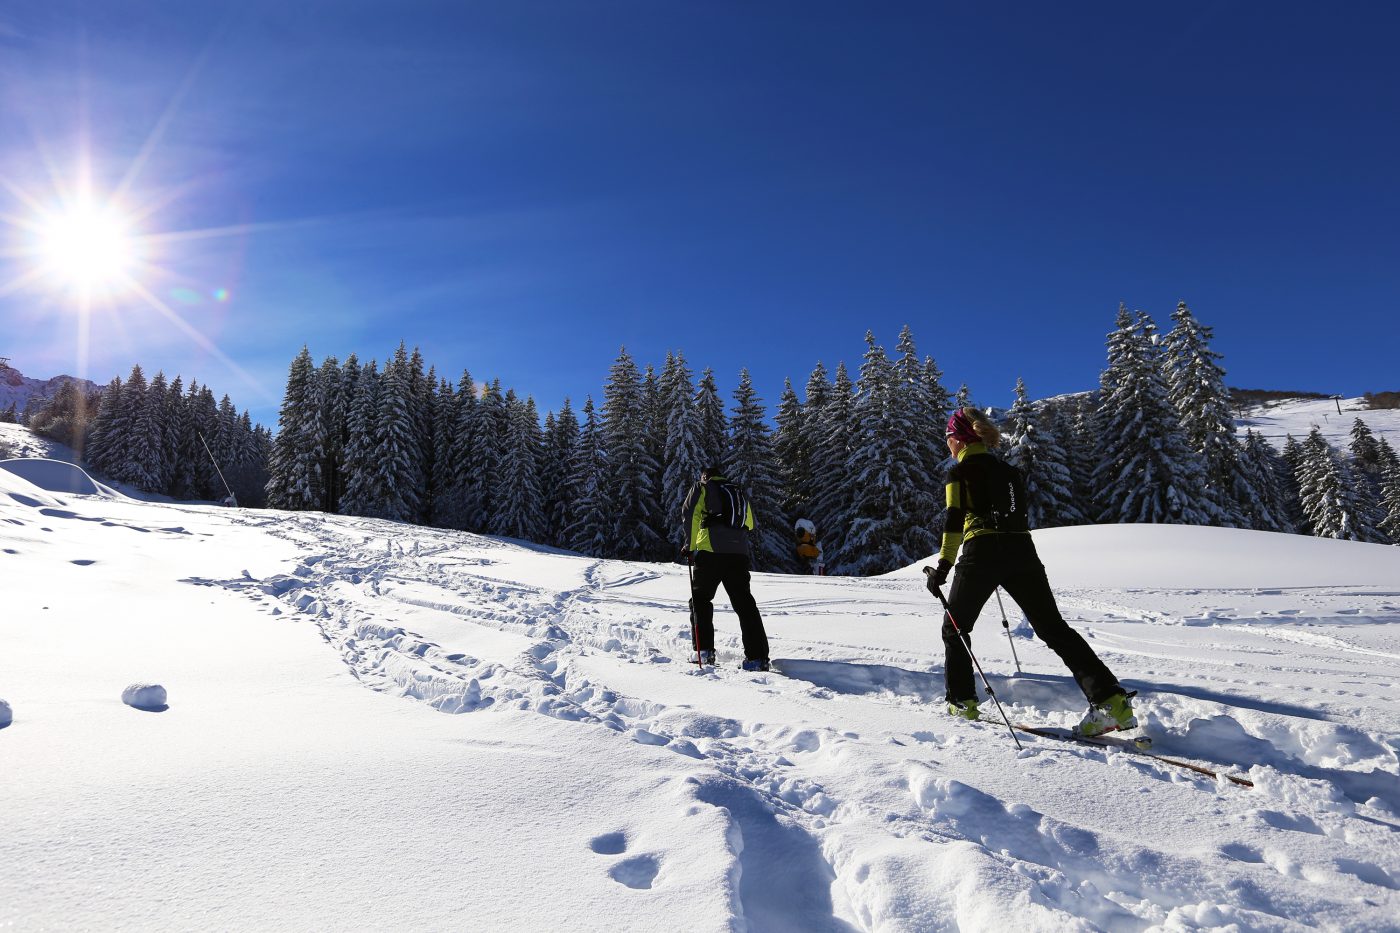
191	461
488	449
204	415
832	507
927	404
590	529
1033	448
1082	446
939	401
683	454
1390	492
712	421
892	498
142	467
362	493
1331	496
1270	511
1056	419
399	460
132	401
334	409
225	444
422	389
1147	473
793	457
1196	387
179	479
521	514
444	475
560	497
1366	455
250	474
9	415
632	474
654	415
815	396
1386	455
1291	461
463	506
103	436
297	454
751	466
964	397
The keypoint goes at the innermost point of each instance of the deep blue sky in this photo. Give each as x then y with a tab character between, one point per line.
522	187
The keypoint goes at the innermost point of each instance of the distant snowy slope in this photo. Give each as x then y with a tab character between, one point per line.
1276	420
22	442
1187	557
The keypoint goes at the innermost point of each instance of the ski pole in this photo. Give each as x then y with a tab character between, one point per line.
938	591
215	462
694	626
1007	625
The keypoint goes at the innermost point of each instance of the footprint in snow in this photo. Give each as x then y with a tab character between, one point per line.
83	563
637	872
609	844
1241	852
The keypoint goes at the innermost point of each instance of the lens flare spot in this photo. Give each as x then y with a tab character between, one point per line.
186	296
221	295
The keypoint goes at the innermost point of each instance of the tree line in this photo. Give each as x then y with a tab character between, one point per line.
862	457
153	435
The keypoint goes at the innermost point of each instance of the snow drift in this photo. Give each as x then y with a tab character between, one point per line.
57	476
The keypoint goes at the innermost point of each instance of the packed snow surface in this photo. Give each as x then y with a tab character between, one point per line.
388	727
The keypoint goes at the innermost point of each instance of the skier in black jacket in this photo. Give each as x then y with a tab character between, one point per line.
718	520
987	520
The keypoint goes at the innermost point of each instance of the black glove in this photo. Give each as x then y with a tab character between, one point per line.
938	576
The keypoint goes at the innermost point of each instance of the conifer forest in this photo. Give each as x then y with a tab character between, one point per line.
861	454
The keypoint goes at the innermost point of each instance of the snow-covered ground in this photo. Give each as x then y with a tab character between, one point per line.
1276	420
19	441
376	726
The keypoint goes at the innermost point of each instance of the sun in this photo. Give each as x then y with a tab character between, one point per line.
87	247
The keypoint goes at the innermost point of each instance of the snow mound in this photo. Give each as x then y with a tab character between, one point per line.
57	476
7	715
15	489
144	696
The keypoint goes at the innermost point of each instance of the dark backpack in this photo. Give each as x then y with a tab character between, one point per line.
725	504
998	497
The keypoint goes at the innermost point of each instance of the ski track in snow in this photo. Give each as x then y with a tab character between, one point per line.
448	619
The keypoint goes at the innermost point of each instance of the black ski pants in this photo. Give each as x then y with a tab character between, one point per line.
732	570
1010	561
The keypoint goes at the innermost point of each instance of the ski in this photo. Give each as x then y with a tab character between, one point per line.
1130	745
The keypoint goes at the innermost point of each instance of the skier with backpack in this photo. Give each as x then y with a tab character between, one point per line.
986	520
718	519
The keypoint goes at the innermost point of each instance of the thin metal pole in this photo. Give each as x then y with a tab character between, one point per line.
215	462
1007	625
938	591
694	625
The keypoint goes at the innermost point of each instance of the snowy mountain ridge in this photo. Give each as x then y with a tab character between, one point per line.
353	699
17	389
